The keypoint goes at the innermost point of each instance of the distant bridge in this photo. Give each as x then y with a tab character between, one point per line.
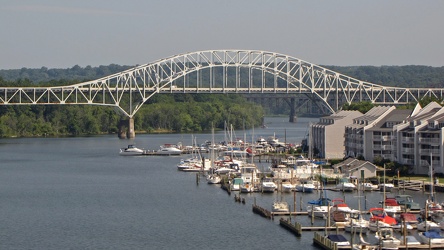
248	72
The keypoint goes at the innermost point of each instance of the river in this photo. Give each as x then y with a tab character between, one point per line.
79	193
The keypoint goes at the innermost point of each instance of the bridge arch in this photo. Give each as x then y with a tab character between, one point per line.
211	71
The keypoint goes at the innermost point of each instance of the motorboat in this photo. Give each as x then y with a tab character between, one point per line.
432	237
387	240
339	240
268	186
305	186
375	225
131	150
408	218
188	163
247	188
406	200
319	208
168	150
236	184
345	185
280	206
385	187
368	186
391	206
340	205
380	219
213	179
287	187
400	227
357	224
427	225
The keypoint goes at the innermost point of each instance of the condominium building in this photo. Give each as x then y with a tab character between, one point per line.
414	138
420	139
357	140
328	134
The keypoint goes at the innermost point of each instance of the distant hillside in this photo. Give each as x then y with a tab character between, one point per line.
75	73
400	76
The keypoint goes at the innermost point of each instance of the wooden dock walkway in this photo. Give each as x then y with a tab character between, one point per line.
297	227
270	215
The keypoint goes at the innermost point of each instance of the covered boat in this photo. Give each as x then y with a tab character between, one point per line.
433	237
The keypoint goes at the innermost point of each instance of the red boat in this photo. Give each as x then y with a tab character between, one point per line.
379	214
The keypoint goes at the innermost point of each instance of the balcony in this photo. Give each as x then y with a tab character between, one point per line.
427	151
408	150
408	139
429	140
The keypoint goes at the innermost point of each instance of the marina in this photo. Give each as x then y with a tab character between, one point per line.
98	199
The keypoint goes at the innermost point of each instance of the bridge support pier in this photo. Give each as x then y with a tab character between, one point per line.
126	129
293	117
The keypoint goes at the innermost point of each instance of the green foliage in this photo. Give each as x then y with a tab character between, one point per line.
362	107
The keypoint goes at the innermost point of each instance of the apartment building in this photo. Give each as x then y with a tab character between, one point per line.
420	139
357	140
328	134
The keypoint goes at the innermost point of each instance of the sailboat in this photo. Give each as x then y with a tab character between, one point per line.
213	178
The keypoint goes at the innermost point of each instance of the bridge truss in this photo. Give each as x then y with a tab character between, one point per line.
247	72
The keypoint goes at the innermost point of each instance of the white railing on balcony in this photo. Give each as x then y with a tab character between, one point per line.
427	151
407	139
408	150
429	140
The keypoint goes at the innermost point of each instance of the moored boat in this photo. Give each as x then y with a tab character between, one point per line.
168	150
387	240
432	237
268	186
131	150
280	206
305	186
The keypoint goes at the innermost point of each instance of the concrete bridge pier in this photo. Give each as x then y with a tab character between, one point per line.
293	117
126	129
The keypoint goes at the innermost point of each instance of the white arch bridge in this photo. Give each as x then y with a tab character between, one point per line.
248	72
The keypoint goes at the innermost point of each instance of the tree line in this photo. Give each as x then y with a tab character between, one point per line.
164	112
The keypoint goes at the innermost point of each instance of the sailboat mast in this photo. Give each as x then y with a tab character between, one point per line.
431	179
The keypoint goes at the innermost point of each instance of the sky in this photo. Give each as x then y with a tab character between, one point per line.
61	34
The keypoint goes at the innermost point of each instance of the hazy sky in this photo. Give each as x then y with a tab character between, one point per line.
61	34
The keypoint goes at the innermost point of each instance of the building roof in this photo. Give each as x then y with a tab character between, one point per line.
396	116
353	164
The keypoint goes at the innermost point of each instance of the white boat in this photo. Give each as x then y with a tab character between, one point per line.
345	185
131	150
432	237
387	187
305	186
427	225
268	186
375	225
213	179
357	226
287	187
400	227
168	150
319	208
368	186
236	184
339	240
280	206
188	163
387	240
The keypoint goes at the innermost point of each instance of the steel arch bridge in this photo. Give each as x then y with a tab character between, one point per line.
249	72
